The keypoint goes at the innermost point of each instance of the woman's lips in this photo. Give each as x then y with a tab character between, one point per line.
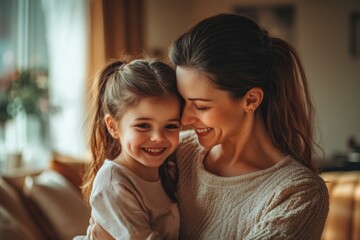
202	131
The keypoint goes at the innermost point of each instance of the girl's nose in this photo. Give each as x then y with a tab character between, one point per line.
157	136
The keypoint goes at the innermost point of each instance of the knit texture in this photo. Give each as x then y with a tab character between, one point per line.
285	201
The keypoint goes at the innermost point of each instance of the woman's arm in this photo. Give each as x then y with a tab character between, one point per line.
298	212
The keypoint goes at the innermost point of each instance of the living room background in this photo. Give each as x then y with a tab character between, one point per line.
66	42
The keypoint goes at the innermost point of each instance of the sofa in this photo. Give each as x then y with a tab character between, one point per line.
43	204
47	204
343	221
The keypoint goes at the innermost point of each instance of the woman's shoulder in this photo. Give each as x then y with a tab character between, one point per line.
299	176
305	184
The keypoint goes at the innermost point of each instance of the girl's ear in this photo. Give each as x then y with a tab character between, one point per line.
111	126
253	99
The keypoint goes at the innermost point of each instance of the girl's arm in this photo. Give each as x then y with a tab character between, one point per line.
97	232
119	210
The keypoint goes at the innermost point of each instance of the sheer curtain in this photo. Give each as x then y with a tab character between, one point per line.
22	41
67	42
82	35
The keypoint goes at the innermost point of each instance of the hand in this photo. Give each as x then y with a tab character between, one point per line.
98	232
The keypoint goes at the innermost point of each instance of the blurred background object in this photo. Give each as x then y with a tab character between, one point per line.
64	44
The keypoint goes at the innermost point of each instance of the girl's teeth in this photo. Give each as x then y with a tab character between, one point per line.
154	150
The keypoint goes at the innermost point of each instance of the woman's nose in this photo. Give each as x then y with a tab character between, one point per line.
188	116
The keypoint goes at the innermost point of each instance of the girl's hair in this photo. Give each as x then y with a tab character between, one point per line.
120	86
237	55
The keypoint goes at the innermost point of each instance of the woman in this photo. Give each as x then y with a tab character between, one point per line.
247	170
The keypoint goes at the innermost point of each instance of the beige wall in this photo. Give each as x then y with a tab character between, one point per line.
323	43
321	38
164	21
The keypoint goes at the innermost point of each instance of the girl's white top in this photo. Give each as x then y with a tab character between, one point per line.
129	207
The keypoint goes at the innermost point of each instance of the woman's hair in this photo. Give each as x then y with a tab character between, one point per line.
237	55
120	86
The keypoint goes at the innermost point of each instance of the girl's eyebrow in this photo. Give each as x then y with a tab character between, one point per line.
199	99
142	119
149	119
174	120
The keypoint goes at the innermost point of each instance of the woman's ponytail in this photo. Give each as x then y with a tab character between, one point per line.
288	111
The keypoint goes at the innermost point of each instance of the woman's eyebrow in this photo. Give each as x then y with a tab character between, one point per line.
199	99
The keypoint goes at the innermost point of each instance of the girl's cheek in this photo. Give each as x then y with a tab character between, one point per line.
136	136
174	136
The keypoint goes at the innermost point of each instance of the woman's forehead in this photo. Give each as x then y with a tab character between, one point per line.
195	85
191	79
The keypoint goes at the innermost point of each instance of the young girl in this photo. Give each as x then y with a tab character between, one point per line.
135	129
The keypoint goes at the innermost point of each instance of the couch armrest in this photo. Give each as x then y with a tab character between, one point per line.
343	221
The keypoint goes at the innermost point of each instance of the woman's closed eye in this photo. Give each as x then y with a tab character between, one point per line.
201	108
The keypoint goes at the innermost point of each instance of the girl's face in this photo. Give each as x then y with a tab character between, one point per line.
149	133
211	112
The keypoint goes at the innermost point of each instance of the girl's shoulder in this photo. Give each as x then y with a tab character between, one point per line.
111	174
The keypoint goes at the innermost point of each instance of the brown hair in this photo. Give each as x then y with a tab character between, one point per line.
119	86
238	55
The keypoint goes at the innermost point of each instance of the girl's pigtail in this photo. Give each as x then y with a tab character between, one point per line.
102	145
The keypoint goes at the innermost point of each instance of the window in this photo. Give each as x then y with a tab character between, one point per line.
44	42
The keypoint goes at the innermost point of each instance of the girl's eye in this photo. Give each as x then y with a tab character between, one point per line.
143	126
172	126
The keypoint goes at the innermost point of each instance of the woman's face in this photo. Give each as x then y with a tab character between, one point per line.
211	112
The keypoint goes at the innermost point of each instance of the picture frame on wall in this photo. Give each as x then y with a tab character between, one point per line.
355	35
278	20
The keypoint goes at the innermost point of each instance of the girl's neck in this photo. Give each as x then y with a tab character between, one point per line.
248	152
146	173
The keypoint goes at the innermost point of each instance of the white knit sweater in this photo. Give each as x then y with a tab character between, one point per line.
285	201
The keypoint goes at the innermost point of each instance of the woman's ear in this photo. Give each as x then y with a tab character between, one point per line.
253	99
111	126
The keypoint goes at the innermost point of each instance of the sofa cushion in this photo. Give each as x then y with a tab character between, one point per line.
60	202
15	217
11	228
69	167
343	220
